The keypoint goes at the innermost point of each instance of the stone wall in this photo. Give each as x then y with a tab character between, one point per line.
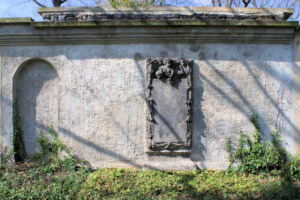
102	105
297	92
91	84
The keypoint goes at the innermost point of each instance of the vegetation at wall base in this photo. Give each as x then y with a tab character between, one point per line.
47	176
254	156
67	180
18	140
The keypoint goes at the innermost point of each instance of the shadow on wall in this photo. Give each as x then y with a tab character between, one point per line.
36	99
36	86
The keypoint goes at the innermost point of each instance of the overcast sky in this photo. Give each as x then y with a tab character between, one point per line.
27	8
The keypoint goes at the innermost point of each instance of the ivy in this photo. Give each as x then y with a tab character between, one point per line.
252	155
51	146
18	140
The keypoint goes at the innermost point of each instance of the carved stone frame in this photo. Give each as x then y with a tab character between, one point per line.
170	69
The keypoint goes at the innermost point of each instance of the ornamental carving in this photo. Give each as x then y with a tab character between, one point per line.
169	86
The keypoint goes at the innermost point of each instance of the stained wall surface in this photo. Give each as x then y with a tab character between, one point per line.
35	100
101	113
297	92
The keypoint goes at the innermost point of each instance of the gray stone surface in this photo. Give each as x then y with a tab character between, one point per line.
169	98
102	88
102	106
296	77
36	97
162	13
169	112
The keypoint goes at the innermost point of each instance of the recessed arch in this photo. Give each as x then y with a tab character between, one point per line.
35	96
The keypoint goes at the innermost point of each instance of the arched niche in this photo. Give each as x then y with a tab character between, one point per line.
35	86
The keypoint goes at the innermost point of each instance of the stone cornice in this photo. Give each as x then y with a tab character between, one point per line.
135	32
168	23
152	13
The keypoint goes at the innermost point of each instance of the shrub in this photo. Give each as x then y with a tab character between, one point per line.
18	140
51	146
254	156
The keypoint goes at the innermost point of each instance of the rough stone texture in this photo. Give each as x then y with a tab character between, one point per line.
162	13
169	99
102	101
297	92
124	32
1	132
89	79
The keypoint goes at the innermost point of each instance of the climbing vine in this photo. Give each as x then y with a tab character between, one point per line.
18	139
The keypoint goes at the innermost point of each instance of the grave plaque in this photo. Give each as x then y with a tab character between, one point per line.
169	83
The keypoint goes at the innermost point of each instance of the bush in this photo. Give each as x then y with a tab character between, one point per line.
254	156
51	147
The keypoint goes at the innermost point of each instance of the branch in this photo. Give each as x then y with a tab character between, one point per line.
226	3
246	2
213	3
219	3
38	3
237	4
254	3
57	3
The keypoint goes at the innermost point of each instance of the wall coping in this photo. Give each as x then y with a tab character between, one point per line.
45	24
151	13
25	31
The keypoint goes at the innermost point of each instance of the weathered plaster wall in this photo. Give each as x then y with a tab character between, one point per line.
36	100
102	106
1	122
297	92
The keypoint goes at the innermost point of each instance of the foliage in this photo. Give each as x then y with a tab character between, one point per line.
18	140
52	178
34	181
51	146
237	185
254	156
134	184
206	184
71	179
5	158
66	180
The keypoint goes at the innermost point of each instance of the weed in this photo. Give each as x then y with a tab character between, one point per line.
18	140
51	147
255	156
5	158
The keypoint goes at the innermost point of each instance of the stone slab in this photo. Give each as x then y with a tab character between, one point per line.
169	83
162	13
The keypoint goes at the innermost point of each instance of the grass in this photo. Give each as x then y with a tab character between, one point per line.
68	180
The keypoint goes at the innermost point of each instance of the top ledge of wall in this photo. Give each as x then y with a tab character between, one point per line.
67	14
122	23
